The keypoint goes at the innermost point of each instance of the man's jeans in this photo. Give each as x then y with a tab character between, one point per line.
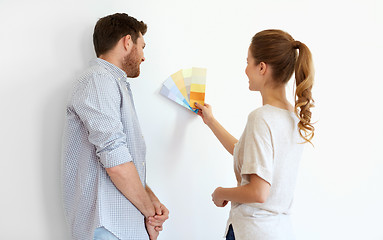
230	233
102	234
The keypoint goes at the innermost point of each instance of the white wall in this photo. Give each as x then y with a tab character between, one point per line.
44	44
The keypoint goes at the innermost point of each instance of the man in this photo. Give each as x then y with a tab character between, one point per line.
105	194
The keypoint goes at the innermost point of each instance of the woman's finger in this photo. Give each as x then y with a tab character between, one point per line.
199	105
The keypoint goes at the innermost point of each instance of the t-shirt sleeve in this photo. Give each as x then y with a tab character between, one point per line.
258	150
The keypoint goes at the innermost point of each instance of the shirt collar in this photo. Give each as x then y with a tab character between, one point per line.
113	69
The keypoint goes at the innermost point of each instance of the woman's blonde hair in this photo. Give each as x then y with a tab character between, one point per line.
278	49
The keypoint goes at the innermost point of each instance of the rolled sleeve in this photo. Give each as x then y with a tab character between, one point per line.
97	103
115	157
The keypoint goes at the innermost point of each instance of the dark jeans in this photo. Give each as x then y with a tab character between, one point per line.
230	233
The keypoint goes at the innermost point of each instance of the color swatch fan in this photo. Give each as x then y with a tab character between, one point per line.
186	87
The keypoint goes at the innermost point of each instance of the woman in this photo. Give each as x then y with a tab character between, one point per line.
267	155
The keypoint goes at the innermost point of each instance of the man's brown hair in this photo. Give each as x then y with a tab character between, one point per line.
110	29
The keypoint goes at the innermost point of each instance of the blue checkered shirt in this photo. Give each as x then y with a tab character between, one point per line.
101	131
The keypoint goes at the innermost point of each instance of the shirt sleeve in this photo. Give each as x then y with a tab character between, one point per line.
258	150
97	103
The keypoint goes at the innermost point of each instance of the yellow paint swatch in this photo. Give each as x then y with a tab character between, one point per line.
178	79
197	87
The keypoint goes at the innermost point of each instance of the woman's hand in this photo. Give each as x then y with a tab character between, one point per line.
217	199
205	112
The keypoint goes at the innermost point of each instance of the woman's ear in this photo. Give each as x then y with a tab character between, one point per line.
262	68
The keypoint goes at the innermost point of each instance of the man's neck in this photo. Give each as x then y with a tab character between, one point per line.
112	60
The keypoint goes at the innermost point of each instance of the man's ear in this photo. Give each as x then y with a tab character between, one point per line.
262	68
128	43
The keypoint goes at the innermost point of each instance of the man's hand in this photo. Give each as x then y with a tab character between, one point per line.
162	214
153	233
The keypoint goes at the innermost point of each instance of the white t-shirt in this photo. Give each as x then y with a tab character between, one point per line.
269	147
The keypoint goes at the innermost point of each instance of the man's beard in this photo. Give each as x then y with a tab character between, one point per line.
131	64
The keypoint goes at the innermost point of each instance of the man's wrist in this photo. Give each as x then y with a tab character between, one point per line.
147	216
151	195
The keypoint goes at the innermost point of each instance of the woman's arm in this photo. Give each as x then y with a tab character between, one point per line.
257	191
226	139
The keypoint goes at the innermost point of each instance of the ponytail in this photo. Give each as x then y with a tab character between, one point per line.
278	49
304	76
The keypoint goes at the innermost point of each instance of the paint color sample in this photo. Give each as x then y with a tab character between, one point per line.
178	79
170	90
197	87
186	87
187	73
